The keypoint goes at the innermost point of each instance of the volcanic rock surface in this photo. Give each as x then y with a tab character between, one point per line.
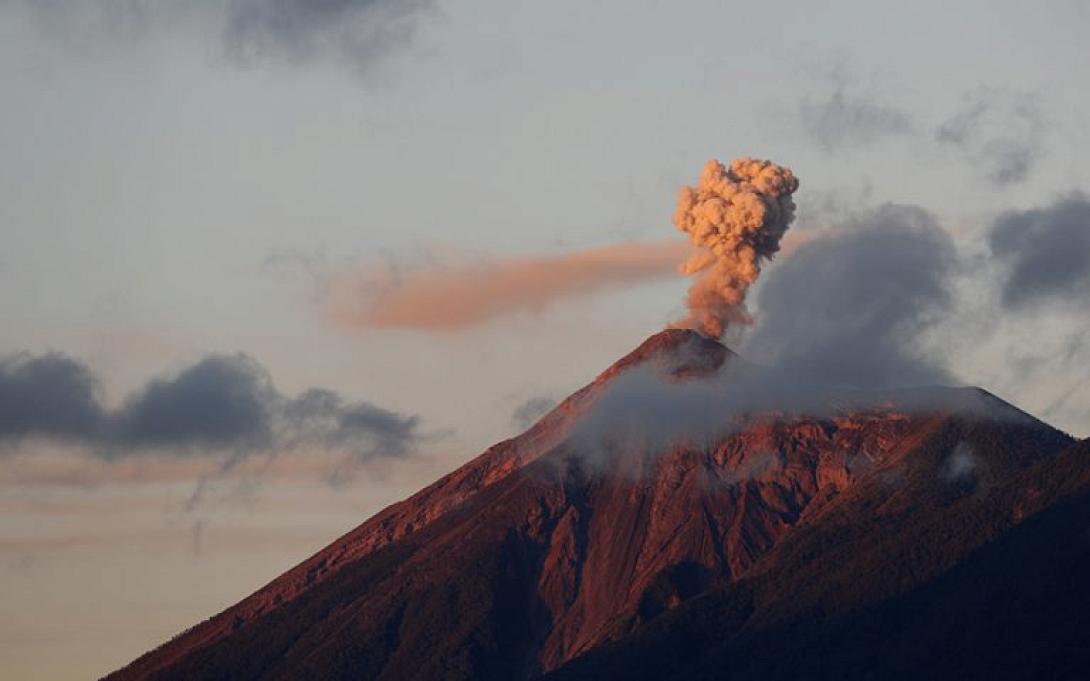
784	541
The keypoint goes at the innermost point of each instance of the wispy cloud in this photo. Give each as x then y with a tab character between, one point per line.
352	33
998	130
845	112
528	412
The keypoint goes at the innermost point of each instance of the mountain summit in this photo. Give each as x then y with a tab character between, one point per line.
781	545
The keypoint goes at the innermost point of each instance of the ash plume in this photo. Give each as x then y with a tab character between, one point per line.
736	217
442	298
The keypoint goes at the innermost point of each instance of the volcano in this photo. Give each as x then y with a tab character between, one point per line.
938	533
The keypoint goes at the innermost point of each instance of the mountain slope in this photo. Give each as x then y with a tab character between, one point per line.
551	546
990	583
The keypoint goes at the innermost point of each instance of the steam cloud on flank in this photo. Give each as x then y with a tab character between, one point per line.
647	409
841	324
444	298
737	218
222	403
1047	251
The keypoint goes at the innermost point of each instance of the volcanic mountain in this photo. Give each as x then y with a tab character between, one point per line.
936	533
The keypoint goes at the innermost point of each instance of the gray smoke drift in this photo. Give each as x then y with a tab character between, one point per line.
998	131
841	325
851	309
846	114
1047	252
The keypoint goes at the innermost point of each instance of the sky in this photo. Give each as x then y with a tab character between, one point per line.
215	221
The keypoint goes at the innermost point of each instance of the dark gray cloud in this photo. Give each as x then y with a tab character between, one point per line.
1047	252
999	131
355	33
527	413
49	395
844	113
223	403
323	416
850	309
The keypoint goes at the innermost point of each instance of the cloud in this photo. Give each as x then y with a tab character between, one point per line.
223	403
846	114
647	409
1046	252
220	401
999	131
319	415
528	413
959	465
48	395
851	309
353	33
441	298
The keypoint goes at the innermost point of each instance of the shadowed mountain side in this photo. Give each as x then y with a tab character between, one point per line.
988	581
539	551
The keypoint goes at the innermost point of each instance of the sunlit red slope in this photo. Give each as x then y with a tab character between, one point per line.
538	552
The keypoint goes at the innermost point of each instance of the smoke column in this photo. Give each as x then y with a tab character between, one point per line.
736	218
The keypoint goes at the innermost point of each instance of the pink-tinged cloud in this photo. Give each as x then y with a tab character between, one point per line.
449	297
438	298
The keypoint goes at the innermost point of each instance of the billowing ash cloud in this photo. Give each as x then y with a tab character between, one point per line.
225	403
737	217
1047	251
850	309
997	131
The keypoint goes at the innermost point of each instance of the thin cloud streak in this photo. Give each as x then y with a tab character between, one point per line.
438	298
